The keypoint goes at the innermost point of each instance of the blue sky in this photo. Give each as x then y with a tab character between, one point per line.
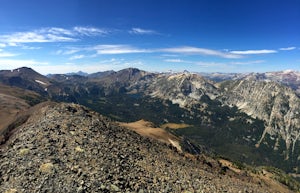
55	36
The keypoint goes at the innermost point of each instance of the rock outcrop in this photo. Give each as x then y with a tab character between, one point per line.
184	89
277	105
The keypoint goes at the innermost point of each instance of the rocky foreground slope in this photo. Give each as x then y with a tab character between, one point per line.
68	148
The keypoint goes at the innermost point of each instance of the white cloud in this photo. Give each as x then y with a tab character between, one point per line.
30	47
249	52
34	37
67	52
6	54
57	31
249	62
12	44
174	60
169	55
110	49
211	64
198	63
140	31
2	45
118	49
13	63
90	31
113	61
76	57
53	34
202	51
288	48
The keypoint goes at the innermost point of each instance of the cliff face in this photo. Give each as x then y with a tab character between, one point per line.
68	148
277	105
184	89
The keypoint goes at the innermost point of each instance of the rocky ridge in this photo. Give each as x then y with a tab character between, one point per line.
68	148
184	89
277	105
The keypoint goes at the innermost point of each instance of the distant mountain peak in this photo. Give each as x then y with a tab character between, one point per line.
23	69
288	71
80	73
131	70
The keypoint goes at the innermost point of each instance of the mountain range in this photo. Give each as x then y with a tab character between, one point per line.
246	118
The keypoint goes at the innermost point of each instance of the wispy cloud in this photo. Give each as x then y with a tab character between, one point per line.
169	55
6	54
287	49
200	51
140	31
13	63
53	34
76	57
35	37
90	31
118	49
30	47
174	60
109	49
57	31
198	63
67	51
250	52
213	64
248	62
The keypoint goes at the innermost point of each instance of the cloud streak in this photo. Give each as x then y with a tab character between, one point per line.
20	63
200	51
35	37
140	31
118	49
198	63
111	49
248	62
175	60
53	34
213	64
90	31
253	52
6	54
76	57
287	49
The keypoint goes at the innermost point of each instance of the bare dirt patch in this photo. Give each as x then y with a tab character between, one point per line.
174	126
147	129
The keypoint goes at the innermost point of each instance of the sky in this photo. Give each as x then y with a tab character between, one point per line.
60	36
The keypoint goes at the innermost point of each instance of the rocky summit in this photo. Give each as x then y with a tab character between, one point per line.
68	148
